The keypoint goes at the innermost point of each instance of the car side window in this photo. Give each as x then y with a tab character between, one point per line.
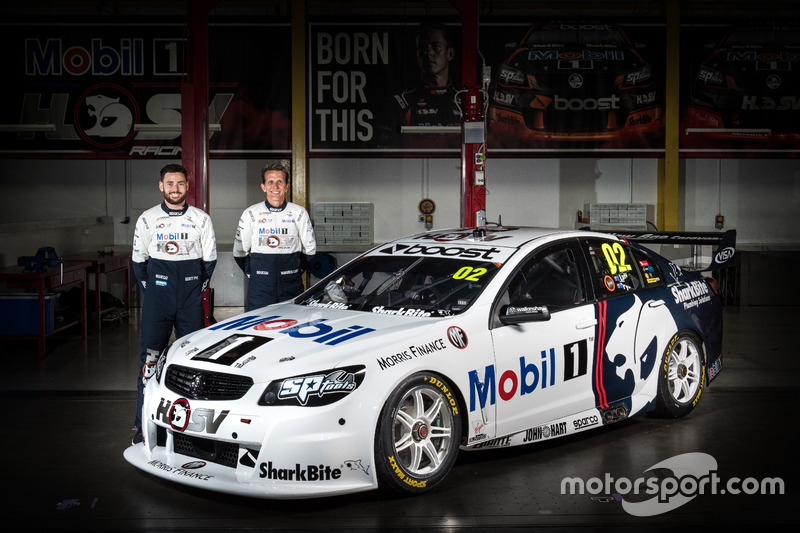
614	268
651	273
551	277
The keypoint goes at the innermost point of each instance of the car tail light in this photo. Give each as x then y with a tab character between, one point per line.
713	284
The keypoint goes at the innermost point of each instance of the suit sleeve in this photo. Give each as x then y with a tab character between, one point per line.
242	240
140	255
306	233
209	249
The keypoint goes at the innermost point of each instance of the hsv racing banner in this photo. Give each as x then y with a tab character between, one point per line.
114	90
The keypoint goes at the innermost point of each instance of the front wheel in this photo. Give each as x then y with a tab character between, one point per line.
418	435
681	378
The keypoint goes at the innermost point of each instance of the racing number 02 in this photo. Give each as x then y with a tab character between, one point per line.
615	258
470	273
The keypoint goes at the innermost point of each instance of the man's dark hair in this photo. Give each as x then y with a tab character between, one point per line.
174	167
275	166
435	26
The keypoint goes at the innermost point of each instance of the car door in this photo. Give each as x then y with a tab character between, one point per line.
542	361
634	324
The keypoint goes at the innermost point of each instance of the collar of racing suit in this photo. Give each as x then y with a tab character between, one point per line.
274	209
174	212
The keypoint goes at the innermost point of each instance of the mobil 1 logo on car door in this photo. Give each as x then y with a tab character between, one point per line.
541	370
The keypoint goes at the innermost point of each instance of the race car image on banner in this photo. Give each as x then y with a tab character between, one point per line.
580	84
744	93
450	340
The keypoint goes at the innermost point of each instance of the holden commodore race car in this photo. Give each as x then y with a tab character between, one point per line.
443	341
747	86
574	81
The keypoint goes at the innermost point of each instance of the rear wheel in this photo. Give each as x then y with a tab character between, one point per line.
682	375
418	435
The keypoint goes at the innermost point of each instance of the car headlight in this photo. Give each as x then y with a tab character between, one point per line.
711	77
162	361
511	76
312	390
637	78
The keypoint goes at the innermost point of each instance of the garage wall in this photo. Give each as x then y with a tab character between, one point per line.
757	197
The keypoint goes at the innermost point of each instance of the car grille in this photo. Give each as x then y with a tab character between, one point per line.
205	385
594	121
221	453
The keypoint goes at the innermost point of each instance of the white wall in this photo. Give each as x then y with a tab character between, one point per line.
757	197
82	205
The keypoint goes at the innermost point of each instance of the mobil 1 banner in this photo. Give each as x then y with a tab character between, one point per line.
101	90
367	82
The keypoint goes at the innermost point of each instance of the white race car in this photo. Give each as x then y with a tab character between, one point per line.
447	340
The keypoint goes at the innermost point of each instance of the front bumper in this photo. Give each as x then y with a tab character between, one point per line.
284	452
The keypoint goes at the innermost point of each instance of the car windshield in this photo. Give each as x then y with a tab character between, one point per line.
403	285
576	35
778	36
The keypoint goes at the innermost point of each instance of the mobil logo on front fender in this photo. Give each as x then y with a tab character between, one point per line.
315	330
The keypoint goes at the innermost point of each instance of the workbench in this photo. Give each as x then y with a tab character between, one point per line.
52	278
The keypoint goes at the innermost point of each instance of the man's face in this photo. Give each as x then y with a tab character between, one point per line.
174	186
433	53
275	186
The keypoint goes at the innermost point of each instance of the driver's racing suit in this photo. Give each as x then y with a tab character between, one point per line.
174	255
271	246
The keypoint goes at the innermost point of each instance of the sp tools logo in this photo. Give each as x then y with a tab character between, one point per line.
312	390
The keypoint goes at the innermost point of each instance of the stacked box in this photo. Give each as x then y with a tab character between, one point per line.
627	216
343	224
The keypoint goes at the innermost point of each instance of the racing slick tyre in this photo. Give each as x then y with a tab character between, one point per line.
681	376
418	435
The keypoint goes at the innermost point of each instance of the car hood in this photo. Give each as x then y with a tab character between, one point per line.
287	339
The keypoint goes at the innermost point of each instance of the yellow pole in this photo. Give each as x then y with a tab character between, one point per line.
669	172
299	162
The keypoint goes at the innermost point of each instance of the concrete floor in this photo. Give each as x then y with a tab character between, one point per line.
67	421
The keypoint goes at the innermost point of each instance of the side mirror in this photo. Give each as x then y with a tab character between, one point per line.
511	314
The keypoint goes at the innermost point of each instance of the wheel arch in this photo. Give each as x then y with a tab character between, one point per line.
697	333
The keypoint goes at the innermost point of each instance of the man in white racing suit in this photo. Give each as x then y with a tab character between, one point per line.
174	255
273	242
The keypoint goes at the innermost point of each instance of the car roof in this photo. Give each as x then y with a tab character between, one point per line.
513	237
